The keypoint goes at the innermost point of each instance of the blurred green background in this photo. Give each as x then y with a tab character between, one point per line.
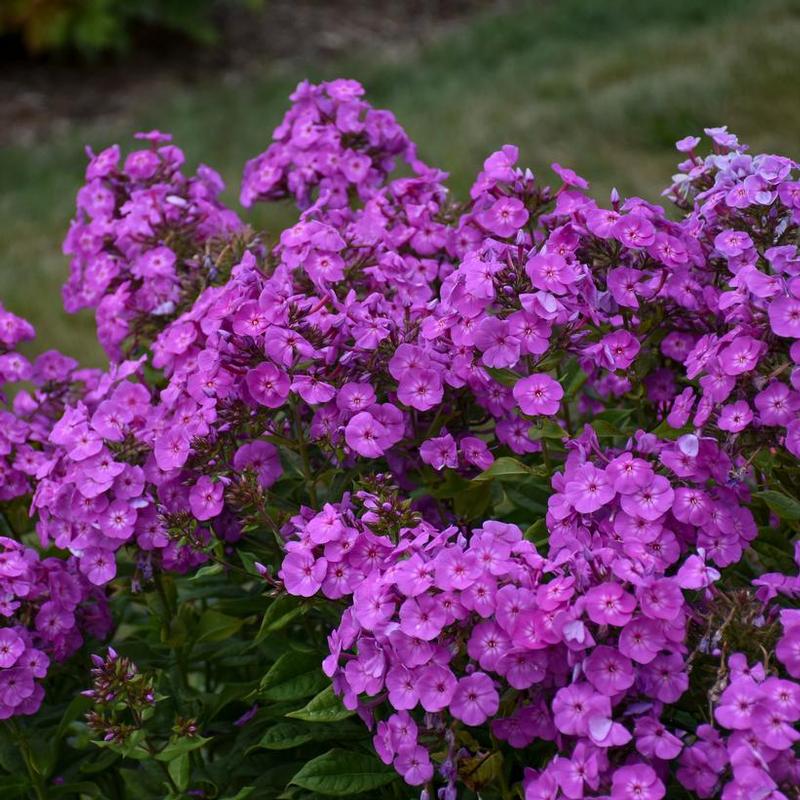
604	86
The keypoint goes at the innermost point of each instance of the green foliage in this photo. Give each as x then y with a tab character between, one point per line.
785	507
293	676
197	644
324	707
340	773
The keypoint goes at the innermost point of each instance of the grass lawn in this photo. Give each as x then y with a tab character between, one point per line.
604	86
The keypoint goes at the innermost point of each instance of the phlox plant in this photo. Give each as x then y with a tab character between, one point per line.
423	497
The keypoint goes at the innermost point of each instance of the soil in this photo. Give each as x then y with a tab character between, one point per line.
41	99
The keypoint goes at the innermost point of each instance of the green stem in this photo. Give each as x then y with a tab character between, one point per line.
37	780
567	418
546	454
505	788
301	441
170	612
158	580
436	425
6	527
229	565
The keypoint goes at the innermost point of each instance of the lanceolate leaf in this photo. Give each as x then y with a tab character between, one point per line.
325	707
293	676
278	615
214	626
784	506
504	468
340	773
285	736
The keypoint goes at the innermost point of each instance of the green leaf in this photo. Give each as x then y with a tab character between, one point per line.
616	416
179	771
144	783
207	572
131	748
180	746
214	626
293	676
100	763
764	460
524	496
773	557
43	755
573	380
12	787
666	431
452	486
604	429
324	707
473	502
174	632
502	375
547	429
481	770
341	773
248	561
504	468
10	755
244	792
155	601
230	692
537	533
77	708
285	735
288	734
784	506
278	615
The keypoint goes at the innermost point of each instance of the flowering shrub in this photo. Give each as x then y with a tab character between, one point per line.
511	480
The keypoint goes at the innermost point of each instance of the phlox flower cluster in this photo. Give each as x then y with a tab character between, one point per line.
743	350
105	489
752	743
48	607
136	245
551	272
393	327
587	647
330	143
748	749
43	389
658	501
121	465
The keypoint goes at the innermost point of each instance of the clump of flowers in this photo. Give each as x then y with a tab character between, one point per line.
588	646
518	471
142	238
744	353
47	604
48	607
330	142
